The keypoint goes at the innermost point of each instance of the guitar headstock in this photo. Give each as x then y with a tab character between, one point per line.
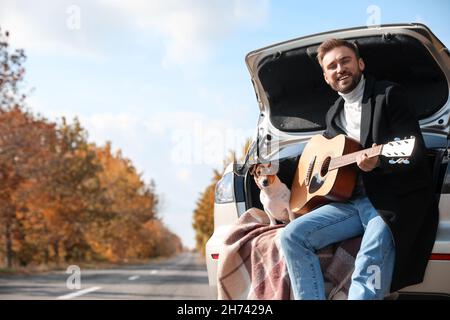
399	148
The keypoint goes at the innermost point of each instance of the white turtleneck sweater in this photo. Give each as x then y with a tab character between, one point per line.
350	117
350	121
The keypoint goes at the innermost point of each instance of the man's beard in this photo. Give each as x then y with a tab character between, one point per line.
355	78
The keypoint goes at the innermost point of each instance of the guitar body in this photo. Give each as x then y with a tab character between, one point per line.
313	184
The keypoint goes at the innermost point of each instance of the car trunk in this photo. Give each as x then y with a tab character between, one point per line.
292	93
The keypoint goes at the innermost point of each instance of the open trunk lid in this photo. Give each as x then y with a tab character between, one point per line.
294	98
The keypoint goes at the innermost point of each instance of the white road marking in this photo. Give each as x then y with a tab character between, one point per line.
134	278
78	293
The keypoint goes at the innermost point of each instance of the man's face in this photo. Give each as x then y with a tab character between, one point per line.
341	70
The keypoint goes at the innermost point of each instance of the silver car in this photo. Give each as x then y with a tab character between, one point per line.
293	99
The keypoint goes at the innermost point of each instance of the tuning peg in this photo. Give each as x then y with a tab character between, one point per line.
396	139
405	161
392	161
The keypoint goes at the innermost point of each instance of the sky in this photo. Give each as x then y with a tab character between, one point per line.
165	80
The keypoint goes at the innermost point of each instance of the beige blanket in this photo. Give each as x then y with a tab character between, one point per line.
251	264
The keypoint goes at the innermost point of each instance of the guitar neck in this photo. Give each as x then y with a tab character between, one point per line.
350	158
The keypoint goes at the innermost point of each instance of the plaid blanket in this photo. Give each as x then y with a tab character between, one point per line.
251	264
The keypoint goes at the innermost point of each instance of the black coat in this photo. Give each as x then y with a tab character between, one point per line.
402	194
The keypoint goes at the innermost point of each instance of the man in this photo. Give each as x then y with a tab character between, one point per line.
393	206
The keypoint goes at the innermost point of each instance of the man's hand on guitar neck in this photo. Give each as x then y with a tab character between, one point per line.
367	164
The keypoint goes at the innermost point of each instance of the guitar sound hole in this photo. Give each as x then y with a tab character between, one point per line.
325	166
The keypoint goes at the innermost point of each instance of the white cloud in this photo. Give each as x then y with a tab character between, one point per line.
252	11
49	29
189	28
187	138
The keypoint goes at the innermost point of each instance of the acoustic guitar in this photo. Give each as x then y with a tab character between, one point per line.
326	173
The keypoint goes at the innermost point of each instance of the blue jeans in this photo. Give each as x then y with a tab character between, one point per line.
331	223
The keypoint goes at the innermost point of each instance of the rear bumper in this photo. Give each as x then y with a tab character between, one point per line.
213	247
436	282
211	266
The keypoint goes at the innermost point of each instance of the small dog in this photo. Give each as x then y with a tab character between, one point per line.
274	194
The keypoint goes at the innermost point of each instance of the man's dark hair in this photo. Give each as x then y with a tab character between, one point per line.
330	44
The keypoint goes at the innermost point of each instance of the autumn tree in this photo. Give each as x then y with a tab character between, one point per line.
63	199
25	144
12	73
71	193
129	205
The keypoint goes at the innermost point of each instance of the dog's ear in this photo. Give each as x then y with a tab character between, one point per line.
253	169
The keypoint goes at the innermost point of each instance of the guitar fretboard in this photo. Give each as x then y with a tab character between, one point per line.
350	158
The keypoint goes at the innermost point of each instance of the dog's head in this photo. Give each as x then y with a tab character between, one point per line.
264	174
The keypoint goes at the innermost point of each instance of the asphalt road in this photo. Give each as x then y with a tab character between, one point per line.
180	277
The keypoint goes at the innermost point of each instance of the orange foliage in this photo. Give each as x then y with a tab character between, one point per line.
63	199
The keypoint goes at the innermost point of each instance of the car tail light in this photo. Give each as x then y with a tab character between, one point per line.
440	256
215	256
